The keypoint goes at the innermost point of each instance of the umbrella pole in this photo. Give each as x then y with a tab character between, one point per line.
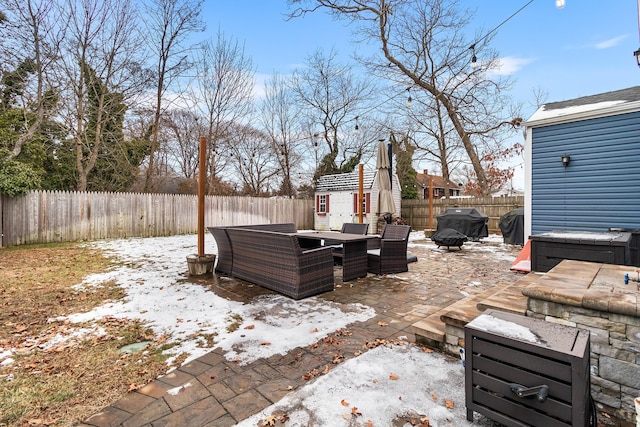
430	202
360	192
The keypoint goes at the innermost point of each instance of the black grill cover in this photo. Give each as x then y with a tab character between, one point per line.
468	221
512	227
448	237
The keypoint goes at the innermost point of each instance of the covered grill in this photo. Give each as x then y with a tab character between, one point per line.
468	221
512	226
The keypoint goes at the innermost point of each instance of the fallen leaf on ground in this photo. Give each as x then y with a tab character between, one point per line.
269	421
344	402
434	397
393	376
249	326
383	324
449	403
265	343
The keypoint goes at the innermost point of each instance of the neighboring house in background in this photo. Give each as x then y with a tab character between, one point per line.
597	186
336	200
438	186
507	192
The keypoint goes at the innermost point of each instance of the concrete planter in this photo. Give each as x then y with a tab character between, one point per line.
200	265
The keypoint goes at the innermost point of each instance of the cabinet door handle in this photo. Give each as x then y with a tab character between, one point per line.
540	391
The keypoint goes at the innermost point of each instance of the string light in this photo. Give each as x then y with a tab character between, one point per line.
357	129
409	100
474	59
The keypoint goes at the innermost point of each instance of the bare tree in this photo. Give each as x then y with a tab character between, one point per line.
332	96
182	130
28	36
253	160
281	122
98	73
424	48
223	94
169	23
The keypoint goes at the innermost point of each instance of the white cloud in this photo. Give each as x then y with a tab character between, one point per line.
511	65
611	42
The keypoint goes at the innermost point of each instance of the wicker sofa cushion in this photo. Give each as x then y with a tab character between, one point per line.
224	259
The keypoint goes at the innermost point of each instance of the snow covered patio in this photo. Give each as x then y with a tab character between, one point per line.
343	358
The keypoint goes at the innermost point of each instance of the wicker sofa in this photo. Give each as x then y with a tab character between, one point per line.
224	262
276	261
391	257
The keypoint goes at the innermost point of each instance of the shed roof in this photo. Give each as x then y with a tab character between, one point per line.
345	181
586	107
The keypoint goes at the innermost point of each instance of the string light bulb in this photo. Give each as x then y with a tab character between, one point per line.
357	128
474	59
409	100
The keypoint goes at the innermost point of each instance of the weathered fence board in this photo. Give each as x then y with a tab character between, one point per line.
65	216
416	212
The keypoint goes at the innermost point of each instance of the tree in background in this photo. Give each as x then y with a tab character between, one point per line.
331	96
403	151
280	120
253	160
423	48
28	47
222	93
169	23
497	177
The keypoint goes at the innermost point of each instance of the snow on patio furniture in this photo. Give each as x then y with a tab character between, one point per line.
224	263
391	257
276	261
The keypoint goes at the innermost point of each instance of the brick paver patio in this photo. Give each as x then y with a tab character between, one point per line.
219	392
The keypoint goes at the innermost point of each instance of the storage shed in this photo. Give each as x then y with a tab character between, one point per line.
336	200
582	164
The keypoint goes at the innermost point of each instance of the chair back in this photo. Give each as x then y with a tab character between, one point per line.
354	228
396	232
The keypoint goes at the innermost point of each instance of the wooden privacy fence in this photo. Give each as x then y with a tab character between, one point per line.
416	212
63	216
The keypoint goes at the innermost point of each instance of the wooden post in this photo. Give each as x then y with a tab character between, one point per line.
430	202
202	174
360	193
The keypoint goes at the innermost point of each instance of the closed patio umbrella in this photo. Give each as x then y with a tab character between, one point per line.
386	205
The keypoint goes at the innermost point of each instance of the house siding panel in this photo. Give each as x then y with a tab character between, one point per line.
577	198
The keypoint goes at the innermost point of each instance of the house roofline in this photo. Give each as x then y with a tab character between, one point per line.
563	117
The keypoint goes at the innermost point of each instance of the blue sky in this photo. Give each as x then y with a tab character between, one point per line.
582	49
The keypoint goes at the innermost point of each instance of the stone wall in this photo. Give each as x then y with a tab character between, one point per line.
615	356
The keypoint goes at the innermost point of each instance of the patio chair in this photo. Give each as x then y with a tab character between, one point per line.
391	257
350	228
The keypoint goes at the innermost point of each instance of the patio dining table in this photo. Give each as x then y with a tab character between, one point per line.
354	259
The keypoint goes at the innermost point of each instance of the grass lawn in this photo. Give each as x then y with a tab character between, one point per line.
54	383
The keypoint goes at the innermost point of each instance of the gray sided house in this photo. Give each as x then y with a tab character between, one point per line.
582	168
336	200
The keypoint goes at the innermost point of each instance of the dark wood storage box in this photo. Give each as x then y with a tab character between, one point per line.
548	249
501	362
